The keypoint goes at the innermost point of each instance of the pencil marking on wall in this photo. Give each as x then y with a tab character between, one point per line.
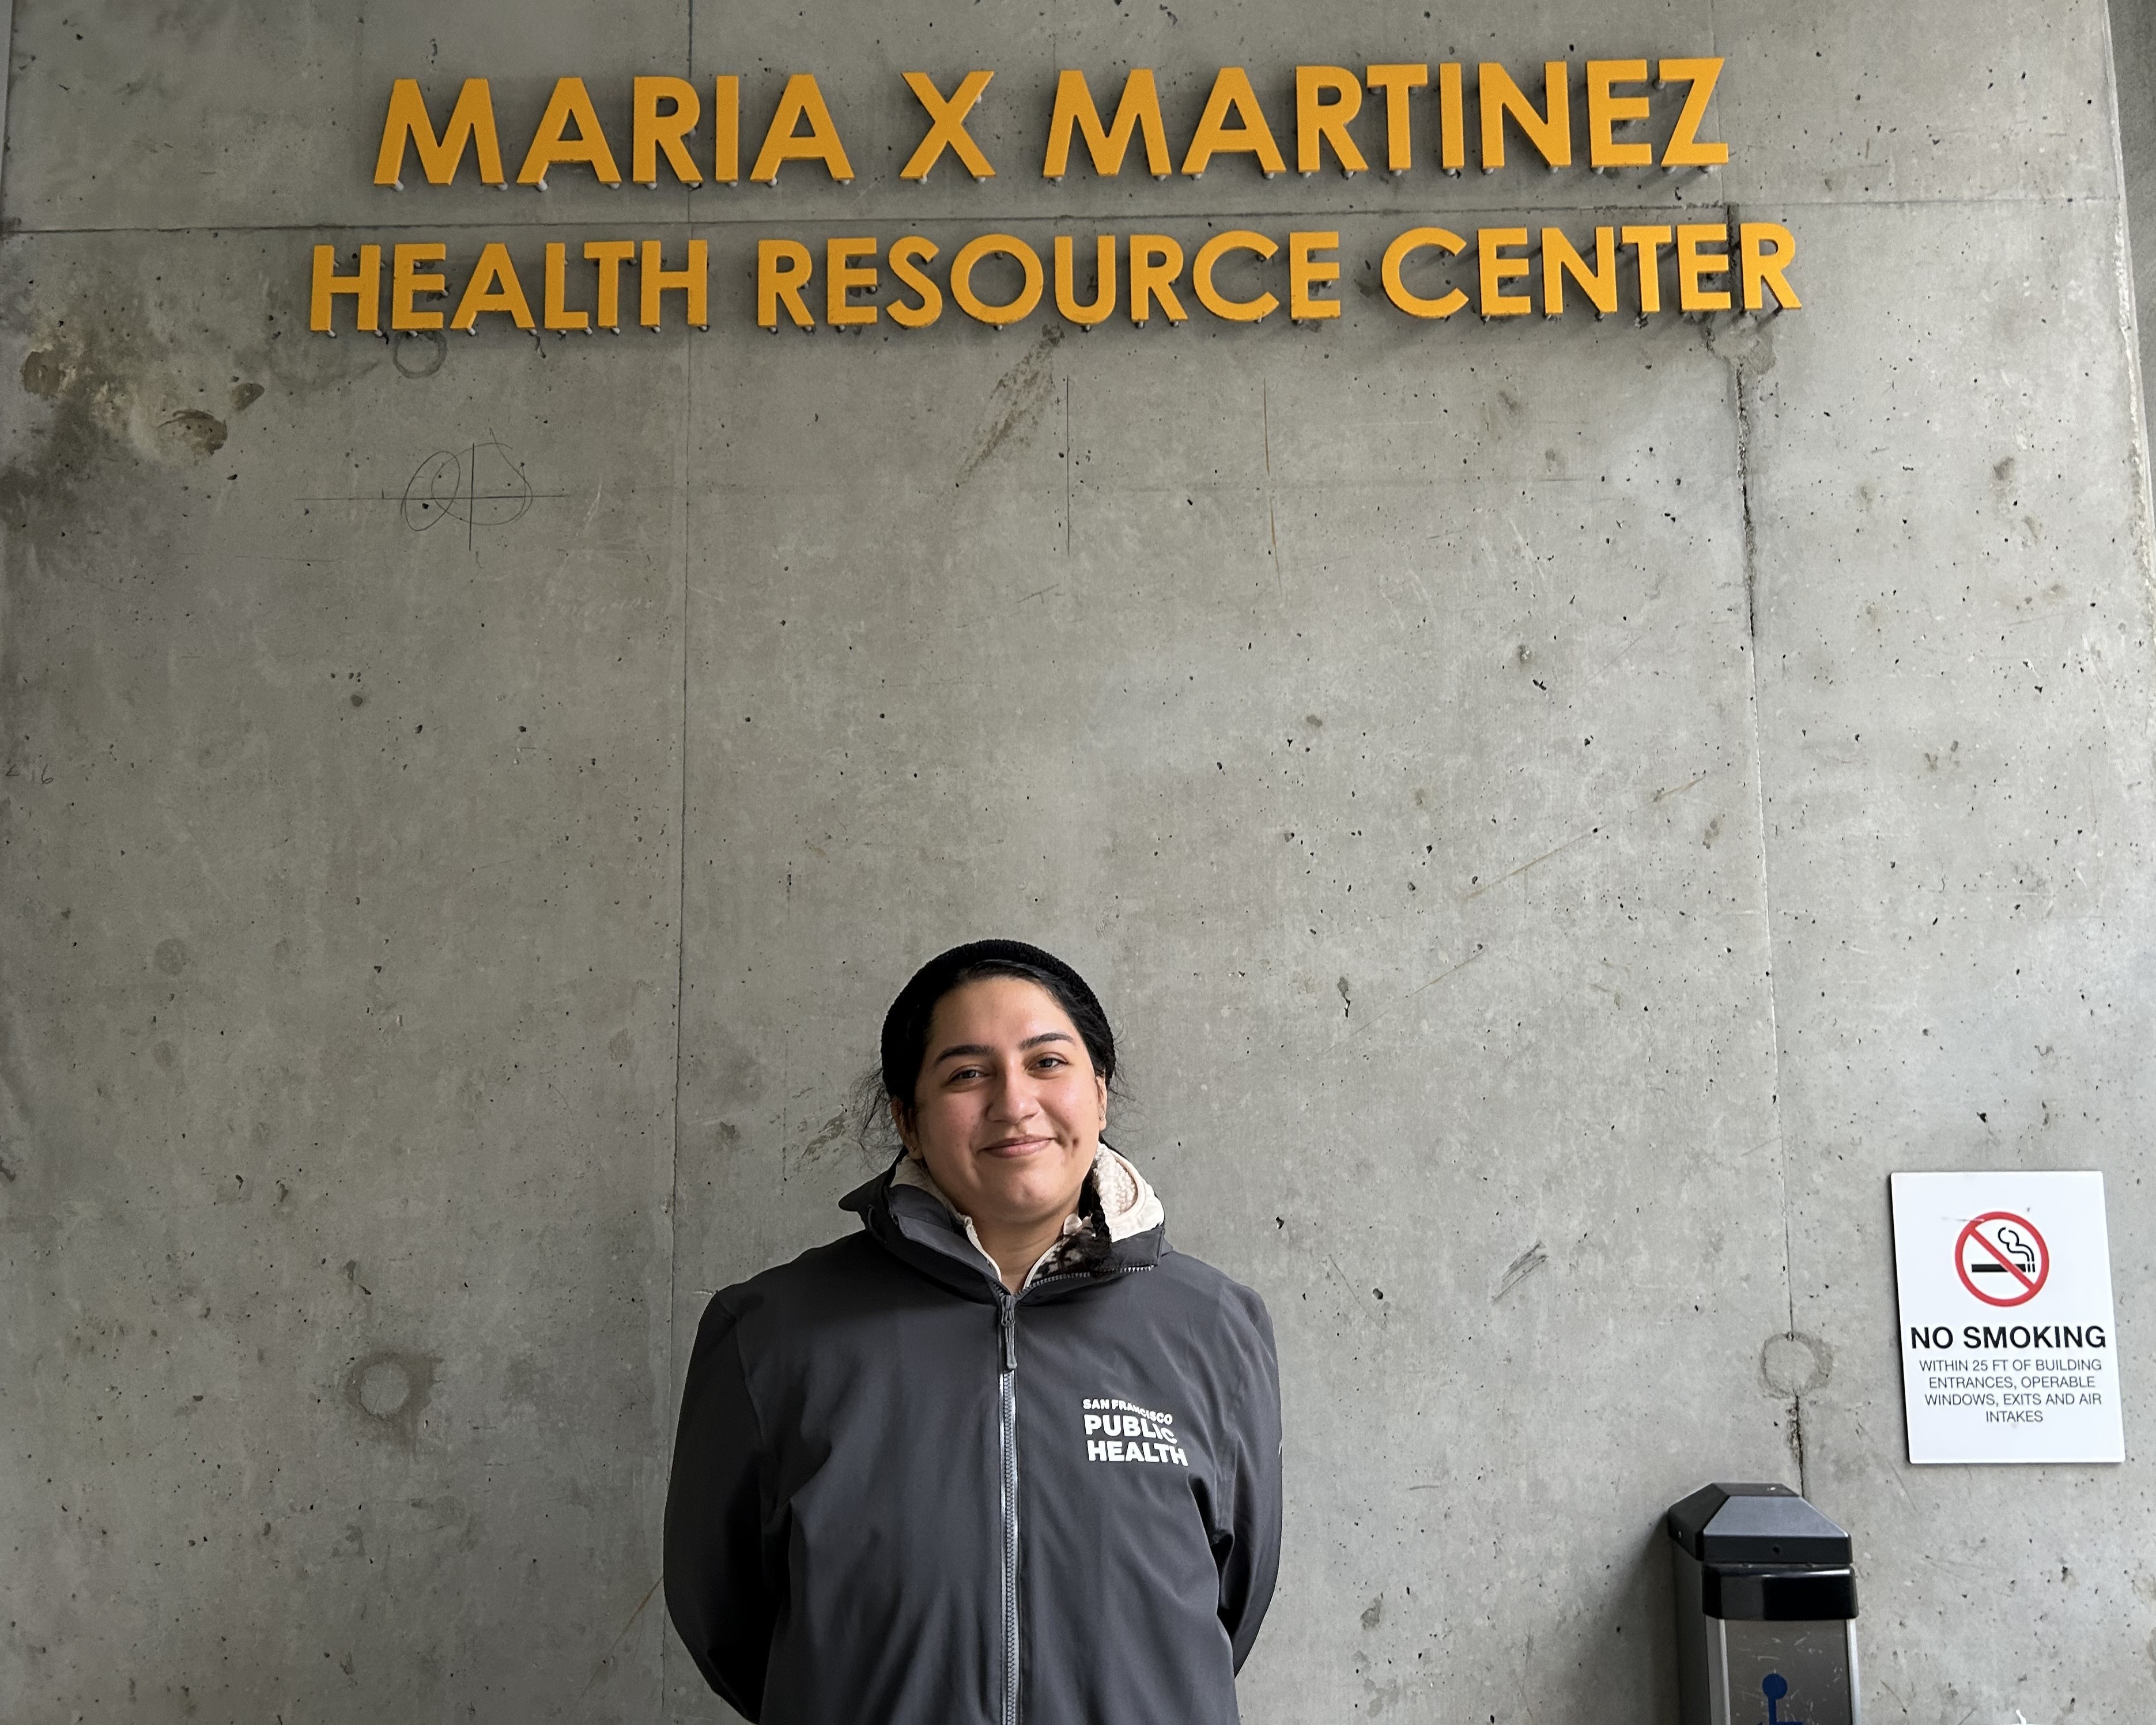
607	1657
1557	850
482	486
1519	1269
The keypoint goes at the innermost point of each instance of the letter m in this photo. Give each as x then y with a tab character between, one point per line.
472	121
1138	109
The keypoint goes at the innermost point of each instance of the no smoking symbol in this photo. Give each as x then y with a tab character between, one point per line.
2002	1258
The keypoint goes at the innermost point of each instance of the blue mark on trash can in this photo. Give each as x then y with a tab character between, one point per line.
1774	1687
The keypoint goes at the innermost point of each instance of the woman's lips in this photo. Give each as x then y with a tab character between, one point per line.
1016	1147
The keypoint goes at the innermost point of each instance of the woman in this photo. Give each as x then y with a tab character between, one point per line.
1002	1456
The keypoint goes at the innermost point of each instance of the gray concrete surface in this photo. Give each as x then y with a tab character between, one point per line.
1558	813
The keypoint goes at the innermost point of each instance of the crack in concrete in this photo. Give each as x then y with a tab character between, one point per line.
1746	345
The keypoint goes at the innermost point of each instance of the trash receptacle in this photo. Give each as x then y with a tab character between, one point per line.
1766	1603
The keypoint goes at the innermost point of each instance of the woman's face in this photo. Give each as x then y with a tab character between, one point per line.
1008	1111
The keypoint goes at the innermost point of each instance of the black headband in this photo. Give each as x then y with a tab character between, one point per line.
934	980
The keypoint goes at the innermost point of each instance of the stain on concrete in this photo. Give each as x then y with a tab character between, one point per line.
836	1132
44	373
389	1390
192	429
117	387
523	1379
734	1075
452	1514
170	956
166	1055
620	1045
1016	403
1793	1364
419	353
1373	1614
110	391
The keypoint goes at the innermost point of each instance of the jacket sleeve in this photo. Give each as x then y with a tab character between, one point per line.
1250	1559
719	1589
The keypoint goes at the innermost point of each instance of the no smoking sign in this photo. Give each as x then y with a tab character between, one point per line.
2009	1351
2003	1259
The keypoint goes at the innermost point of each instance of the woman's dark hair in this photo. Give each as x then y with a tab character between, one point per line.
905	1035
906	1025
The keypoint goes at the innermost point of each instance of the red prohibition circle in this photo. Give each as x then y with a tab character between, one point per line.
2030	1287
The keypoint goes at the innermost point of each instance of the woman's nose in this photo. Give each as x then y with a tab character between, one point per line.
1012	1097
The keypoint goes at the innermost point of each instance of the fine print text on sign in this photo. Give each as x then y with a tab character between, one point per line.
2009	1349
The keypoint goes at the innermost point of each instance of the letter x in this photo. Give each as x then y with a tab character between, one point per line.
950	125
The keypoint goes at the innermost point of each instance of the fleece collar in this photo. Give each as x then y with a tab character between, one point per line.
907	1198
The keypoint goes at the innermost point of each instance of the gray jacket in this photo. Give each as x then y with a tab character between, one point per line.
903	1496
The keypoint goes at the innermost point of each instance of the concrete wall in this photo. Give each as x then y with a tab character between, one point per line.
1558	813
2133	63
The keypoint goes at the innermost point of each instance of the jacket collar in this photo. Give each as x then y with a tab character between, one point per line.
909	1216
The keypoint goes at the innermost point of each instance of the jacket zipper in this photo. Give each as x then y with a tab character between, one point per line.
1007	1435
1007	1442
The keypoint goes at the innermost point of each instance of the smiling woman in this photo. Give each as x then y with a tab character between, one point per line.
897	1495
1005	1117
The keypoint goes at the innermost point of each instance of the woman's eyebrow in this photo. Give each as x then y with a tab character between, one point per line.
979	1050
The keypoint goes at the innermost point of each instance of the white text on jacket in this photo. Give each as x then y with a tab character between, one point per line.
1128	1432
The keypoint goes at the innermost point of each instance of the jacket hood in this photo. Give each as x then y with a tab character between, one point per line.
905	1205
